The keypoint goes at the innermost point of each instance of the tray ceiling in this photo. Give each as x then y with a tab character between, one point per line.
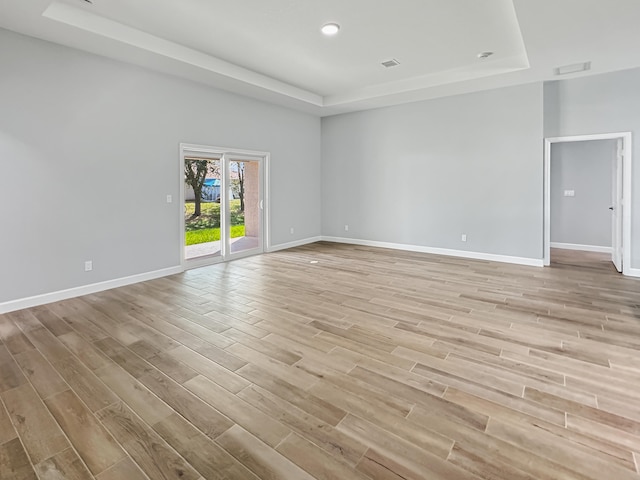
274	50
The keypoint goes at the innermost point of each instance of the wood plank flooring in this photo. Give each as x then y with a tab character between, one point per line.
582	260
369	364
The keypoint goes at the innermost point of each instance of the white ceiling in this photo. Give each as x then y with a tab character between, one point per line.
273	49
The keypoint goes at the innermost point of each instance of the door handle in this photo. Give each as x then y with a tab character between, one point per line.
610	208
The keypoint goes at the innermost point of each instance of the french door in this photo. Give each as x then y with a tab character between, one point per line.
224	204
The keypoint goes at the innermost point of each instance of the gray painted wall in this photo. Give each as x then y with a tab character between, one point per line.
426	172
600	104
89	149
587	169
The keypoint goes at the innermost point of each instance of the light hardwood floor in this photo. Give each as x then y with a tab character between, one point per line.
582	260
368	364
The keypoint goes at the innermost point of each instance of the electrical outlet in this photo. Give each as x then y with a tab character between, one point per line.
569	193
463	237
291	230
169	199
88	266
346	228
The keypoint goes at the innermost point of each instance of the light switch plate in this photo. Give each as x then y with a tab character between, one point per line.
569	193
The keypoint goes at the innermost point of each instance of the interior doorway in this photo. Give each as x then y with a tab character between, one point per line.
224	204
587	191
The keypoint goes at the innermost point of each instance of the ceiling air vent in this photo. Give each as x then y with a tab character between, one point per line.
574	68
390	63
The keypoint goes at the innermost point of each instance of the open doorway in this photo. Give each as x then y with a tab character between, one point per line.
587	221
224	204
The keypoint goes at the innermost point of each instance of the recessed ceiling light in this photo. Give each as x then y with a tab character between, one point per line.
330	29
483	55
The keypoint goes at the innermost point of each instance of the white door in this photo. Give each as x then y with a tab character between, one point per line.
243	202
616	208
224	213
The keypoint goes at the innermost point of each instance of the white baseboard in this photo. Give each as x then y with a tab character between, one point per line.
532	262
633	272
583	248
19	304
297	243
45	298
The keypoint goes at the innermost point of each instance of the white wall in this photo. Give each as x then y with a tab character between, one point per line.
600	104
587	169
424	173
89	149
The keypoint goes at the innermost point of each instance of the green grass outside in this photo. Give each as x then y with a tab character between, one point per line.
206	228
211	235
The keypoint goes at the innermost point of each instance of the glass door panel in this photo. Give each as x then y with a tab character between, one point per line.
244	205
202	216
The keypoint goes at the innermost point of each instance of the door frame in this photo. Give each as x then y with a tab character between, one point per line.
207	150
627	203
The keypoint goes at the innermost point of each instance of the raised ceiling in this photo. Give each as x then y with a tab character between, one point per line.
273	49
